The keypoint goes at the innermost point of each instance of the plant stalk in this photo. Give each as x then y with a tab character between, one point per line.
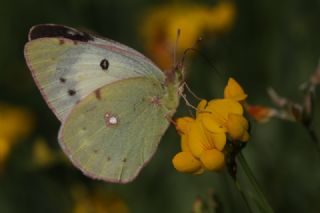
261	199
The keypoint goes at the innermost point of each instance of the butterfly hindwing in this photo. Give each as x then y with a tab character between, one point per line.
115	130
67	70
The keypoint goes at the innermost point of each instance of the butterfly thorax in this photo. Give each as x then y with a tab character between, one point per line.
173	82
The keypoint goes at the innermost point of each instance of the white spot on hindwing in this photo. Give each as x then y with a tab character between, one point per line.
111	120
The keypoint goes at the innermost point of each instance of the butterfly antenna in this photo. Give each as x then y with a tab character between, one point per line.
194	49
176	48
191	92
185	99
188	103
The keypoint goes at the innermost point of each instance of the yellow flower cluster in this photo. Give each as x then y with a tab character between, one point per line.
160	26
203	138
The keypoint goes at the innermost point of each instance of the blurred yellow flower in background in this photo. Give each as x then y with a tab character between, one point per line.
5	148
160	26
15	124
42	154
203	139
95	201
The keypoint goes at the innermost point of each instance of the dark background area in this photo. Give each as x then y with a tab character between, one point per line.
272	43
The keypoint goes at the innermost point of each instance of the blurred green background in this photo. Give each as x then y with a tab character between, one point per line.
265	43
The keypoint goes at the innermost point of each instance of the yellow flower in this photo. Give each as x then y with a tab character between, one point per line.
183	124
227	115
203	138
186	162
160	26
237	127
234	91
201	149
200	139
212	159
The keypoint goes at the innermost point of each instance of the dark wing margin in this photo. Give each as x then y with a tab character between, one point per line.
64	32
56	31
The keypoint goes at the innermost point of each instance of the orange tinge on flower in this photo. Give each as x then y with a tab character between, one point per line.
203	138
160	26
261	113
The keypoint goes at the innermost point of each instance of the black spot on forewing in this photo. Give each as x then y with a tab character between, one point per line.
58	31
124	160
104	64
62	80
71	92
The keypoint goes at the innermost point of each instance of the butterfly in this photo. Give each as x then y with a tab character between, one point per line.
114	104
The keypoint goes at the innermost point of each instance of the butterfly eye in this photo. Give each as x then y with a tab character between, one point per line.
104	64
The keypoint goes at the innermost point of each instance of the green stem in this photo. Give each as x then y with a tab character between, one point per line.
313	136
263	203
243	195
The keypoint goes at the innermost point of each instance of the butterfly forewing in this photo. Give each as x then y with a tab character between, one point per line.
67	70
